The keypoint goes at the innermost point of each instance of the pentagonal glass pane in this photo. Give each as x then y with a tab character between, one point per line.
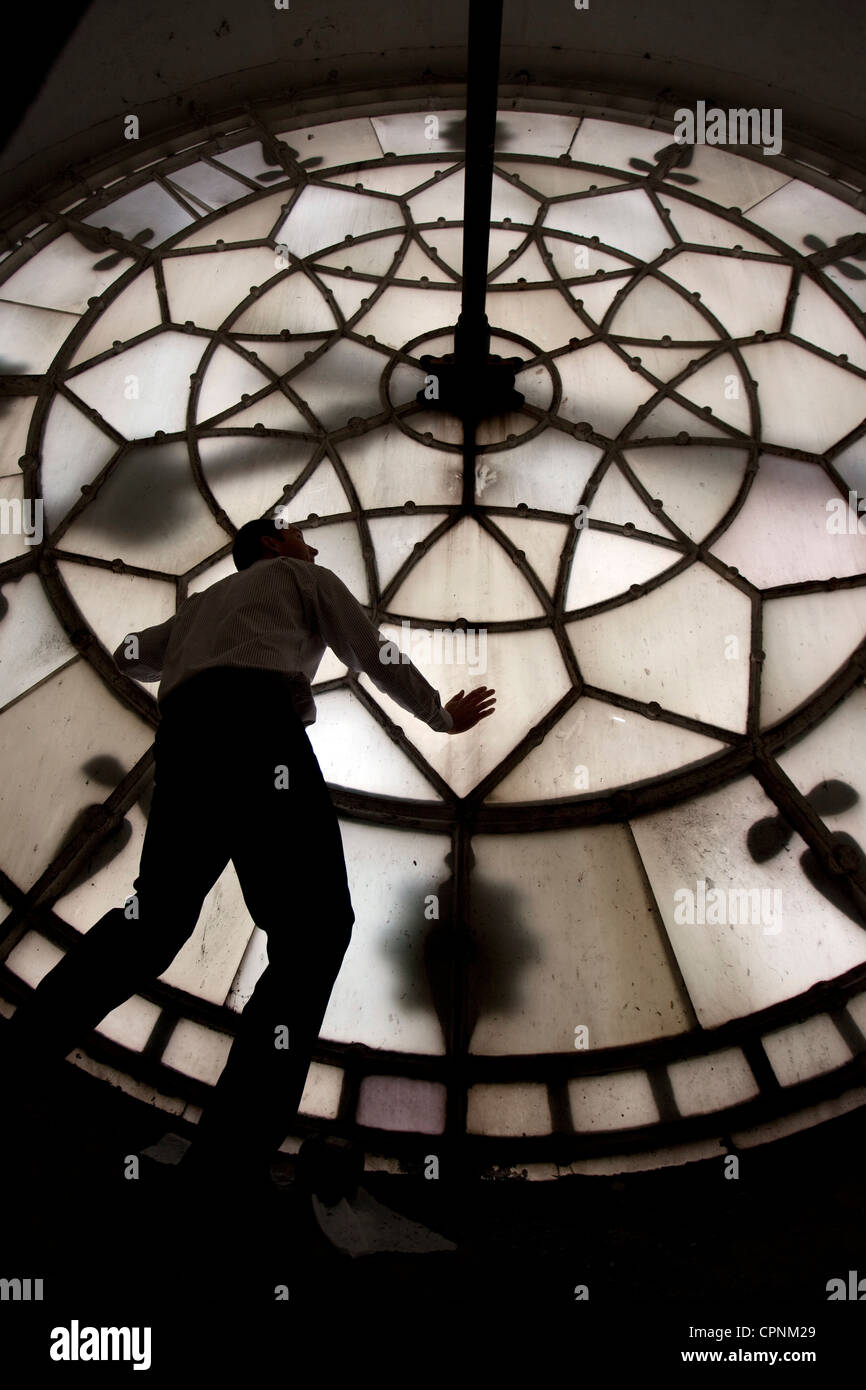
145	388
743	295
388	468
205	288
806	402
671	645
253	222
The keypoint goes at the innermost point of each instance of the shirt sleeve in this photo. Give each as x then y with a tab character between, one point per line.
142	654
347	630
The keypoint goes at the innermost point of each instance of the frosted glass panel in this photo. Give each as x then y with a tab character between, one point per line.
62	276
807	637
147	208
323	216
322	1092
208	961
247	476
32	337
73	452
274	411
605	565
798	210
46	753
384	995
705	228
697	484
621	1101
322	494
251	223
334	142
32	958
12	544
821	321
149	513
354	751
294	303
808	1049
15	416
32	641
387	468
712	385
206	287
806	402
398	1103
540	541
625	220
342	383
131	1024
197	1051
652	309
115	604
397	179
598	387
509	1110
563	937
616	144
543	316
549	473
340	550
743	295
618	502
788	500
555	181
212	575
703	1084
730	180
158	370
596	747
107	879
670	646
135	310
401	314
834	752
395	537
759	932
507	662
466	574
367	257
209	185
228	376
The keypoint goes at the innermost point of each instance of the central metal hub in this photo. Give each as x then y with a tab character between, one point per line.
475	390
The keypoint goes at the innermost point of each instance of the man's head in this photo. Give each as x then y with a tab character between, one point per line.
265	538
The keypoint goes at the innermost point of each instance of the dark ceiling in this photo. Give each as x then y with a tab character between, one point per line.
169	63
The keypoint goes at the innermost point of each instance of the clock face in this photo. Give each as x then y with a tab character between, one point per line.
650	854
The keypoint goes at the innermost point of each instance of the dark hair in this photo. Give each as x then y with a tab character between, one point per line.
248	548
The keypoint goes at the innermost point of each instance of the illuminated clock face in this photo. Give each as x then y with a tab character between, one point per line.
662	576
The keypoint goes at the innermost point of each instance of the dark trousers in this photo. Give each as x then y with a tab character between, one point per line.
227	743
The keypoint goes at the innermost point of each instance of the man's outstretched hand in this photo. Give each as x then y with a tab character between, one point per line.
466	710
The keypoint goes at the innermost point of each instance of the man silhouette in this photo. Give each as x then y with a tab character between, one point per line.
236	778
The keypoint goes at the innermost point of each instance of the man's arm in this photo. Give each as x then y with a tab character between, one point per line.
348	631
142	654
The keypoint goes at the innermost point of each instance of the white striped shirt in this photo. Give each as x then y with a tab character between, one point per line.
278	615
